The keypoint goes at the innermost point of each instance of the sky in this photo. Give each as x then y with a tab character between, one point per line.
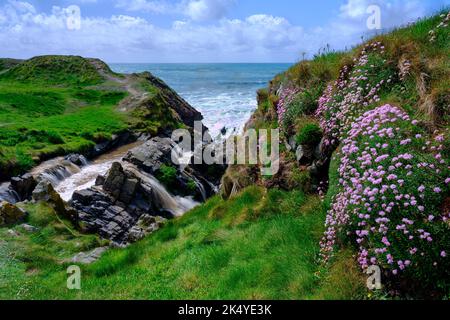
189	31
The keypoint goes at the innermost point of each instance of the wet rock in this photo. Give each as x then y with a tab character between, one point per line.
24	186
10	214
100	180
77	159
89	257
8	194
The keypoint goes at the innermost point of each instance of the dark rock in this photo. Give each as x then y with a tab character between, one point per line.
100	180
76	159
128	190
10	214
24	186
304	154
152	155
114	180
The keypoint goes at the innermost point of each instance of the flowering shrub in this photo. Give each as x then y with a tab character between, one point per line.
442	25
390	196
356	88
391	183
286	95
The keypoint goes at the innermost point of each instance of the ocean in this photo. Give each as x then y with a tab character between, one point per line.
224	93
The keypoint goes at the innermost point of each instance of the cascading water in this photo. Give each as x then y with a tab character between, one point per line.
8	194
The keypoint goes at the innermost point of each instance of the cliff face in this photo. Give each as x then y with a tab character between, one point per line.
369	131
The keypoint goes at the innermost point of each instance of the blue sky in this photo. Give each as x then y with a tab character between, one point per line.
195	30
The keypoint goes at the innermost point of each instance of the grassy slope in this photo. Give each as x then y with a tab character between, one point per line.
54	105
258	245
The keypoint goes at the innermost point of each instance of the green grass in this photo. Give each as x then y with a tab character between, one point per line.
55	105
38	122
258	245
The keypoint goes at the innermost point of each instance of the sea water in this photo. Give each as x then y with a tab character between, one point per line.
225	94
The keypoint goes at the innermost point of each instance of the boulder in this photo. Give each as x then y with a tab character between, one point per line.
10	214
88	257
114	180
24	186
76	159
151	155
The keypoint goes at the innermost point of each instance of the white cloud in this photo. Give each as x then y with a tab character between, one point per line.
24	32
205	10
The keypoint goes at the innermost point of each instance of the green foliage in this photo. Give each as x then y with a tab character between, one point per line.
62	70
310	135
305	103
167	175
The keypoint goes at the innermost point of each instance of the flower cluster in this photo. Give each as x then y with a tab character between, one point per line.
443	24
342	103
286	96
390	194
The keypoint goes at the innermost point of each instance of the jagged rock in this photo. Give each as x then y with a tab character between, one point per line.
304	154
152	154
24	185
46	193
100	180
114	180
89	257
128	190
10	214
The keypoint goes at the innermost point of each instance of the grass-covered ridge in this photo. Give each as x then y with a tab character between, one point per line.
55	105
261	244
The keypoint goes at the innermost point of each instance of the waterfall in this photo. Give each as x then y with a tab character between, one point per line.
55	170
160	196
8	194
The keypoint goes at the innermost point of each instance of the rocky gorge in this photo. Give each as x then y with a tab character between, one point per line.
113	189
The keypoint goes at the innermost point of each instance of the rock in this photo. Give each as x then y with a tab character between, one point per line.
13	233
304	154
10	214
24	185
128	190
77	159
88	257
114	180
292	143
28	228
100	180
151	155
46	193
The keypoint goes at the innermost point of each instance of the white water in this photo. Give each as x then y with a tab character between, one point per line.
67	178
